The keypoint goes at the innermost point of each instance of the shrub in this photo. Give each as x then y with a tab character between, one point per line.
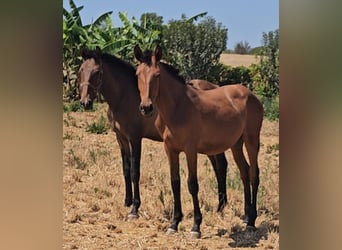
271	107
74	106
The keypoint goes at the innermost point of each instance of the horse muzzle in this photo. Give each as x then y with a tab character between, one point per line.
146	110
87	105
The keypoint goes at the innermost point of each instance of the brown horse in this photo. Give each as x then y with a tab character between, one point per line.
197	121
117	82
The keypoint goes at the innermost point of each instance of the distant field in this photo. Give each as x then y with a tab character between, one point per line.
235	60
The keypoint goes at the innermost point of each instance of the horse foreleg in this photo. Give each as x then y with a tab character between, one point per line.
135	148
173	158
127	175
193	189
126	167
220	166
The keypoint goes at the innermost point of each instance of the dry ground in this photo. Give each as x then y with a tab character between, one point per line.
94	216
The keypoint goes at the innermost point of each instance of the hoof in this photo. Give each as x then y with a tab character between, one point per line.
132	217
245	220
195	235
170	231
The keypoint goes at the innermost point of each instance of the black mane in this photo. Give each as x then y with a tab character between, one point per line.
117	63
172	71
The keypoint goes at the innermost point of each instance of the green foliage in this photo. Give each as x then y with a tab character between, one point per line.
132	32
231	75
73	106
271	107
267	71
265	75
194	48
76	35
98	127
119	41
256	51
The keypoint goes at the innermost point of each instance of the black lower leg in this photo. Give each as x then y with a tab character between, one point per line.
221	175
135	173
128	182
253	210
247	194
178	215
193	189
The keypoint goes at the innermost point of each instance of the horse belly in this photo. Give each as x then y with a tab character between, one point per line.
217	139
217	145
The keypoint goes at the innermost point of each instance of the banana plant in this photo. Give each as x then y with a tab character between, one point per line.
76	35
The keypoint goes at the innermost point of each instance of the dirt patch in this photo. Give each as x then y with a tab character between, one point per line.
94	216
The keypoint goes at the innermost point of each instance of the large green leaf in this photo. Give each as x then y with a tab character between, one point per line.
102	18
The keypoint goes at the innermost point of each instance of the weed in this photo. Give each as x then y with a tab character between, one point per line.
99	127
76	161
65	108
235	182
271	148
161	197
67	136
92	155
74	106
66	122
69	121
102	193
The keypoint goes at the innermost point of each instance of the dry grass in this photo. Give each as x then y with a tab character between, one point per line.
94	216
235	60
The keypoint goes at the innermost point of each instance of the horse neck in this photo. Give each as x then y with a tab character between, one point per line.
117	89
171	93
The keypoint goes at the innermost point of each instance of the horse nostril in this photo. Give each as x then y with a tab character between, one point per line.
146	110
149	108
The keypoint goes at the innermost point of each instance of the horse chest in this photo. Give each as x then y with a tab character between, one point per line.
177	139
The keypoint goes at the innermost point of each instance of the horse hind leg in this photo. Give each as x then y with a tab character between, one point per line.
220	165
252	143
243	166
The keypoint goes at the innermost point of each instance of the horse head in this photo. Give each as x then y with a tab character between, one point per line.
90	76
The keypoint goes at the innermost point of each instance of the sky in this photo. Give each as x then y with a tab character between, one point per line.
245	20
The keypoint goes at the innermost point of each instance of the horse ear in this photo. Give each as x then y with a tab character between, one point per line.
158	53
138	53
98	50
83	52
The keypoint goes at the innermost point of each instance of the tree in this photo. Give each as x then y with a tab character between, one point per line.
242	48
268	68
194	48
149	19
266	74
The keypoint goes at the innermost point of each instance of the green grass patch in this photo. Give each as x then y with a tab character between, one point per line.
98	127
